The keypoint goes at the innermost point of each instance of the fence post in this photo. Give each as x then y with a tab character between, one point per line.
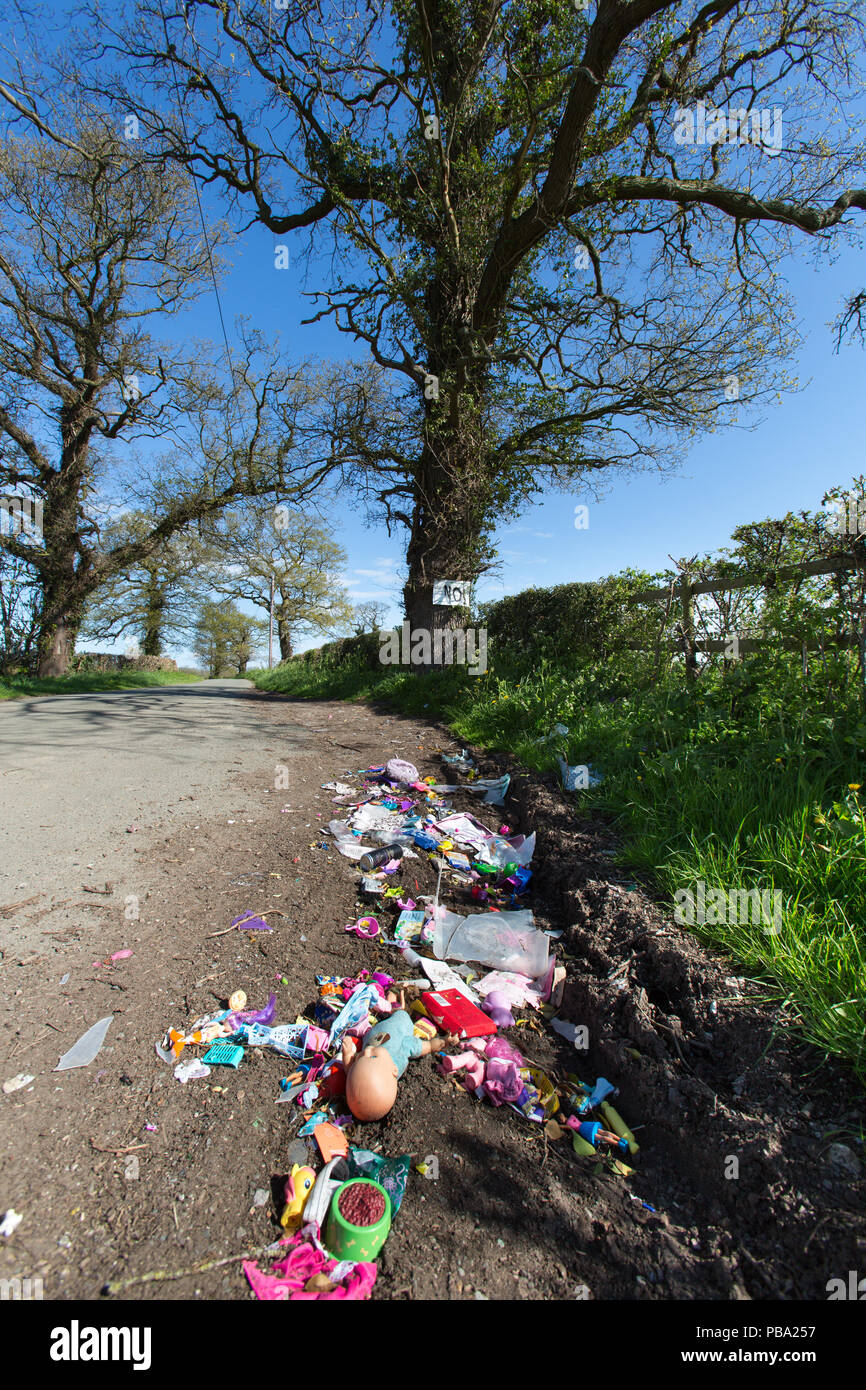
688	629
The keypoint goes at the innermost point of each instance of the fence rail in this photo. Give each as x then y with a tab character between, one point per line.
682	592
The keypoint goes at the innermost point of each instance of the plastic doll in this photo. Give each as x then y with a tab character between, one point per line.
373	1071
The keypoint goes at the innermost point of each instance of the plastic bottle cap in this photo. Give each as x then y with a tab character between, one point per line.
237	1001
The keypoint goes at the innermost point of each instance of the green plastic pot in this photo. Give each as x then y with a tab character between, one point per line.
348	1242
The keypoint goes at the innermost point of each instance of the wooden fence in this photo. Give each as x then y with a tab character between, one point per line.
681	594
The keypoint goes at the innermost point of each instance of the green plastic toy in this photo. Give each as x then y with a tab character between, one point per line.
356	1243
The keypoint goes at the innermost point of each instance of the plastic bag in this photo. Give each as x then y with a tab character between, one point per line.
398	771
390	1173
494	788
502	940
88	1045
347	843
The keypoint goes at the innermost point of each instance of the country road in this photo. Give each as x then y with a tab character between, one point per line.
76	771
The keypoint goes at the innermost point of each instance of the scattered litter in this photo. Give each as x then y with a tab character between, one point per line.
398	771
118	955
390	1173
223	1055
332	1141
294	1276
503	940
443	977
248	921
490	970
194	1070
64	978
494	788
17	1083
10	1223
87	1046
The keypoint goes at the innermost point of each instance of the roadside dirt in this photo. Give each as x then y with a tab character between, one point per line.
703	1067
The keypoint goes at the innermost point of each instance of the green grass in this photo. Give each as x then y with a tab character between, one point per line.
743	783
20	687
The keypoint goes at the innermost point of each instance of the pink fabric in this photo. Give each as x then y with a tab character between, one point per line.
499	1047
300	1264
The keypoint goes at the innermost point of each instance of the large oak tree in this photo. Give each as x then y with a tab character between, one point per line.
559	256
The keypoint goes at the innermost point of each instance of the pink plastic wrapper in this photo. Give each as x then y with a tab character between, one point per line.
300	1263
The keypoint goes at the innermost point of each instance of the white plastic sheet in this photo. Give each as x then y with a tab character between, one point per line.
87	1047
502	940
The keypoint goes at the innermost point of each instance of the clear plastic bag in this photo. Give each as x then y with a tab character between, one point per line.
502	940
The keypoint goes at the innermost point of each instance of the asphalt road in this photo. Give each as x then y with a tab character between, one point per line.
76	771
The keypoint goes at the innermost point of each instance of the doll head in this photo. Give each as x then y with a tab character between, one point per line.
371	1084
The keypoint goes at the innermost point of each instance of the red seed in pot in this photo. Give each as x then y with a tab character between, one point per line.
361	1205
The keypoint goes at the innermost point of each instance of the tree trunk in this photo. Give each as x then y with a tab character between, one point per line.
450	528
154	620
65	575
60	616
56	648
285	638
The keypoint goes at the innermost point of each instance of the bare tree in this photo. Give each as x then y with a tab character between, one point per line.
368	616
286	563
96	241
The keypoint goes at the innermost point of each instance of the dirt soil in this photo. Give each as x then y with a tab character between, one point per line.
749	1148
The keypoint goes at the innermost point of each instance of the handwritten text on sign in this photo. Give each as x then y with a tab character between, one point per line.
451	593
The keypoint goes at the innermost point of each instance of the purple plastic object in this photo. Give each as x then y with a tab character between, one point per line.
502	1082
248	921
496	1006
265	1015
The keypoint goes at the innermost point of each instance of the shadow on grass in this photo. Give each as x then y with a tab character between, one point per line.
19	687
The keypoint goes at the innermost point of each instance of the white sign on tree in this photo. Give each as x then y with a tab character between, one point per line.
452	593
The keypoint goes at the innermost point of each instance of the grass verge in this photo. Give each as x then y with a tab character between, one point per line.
20	687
